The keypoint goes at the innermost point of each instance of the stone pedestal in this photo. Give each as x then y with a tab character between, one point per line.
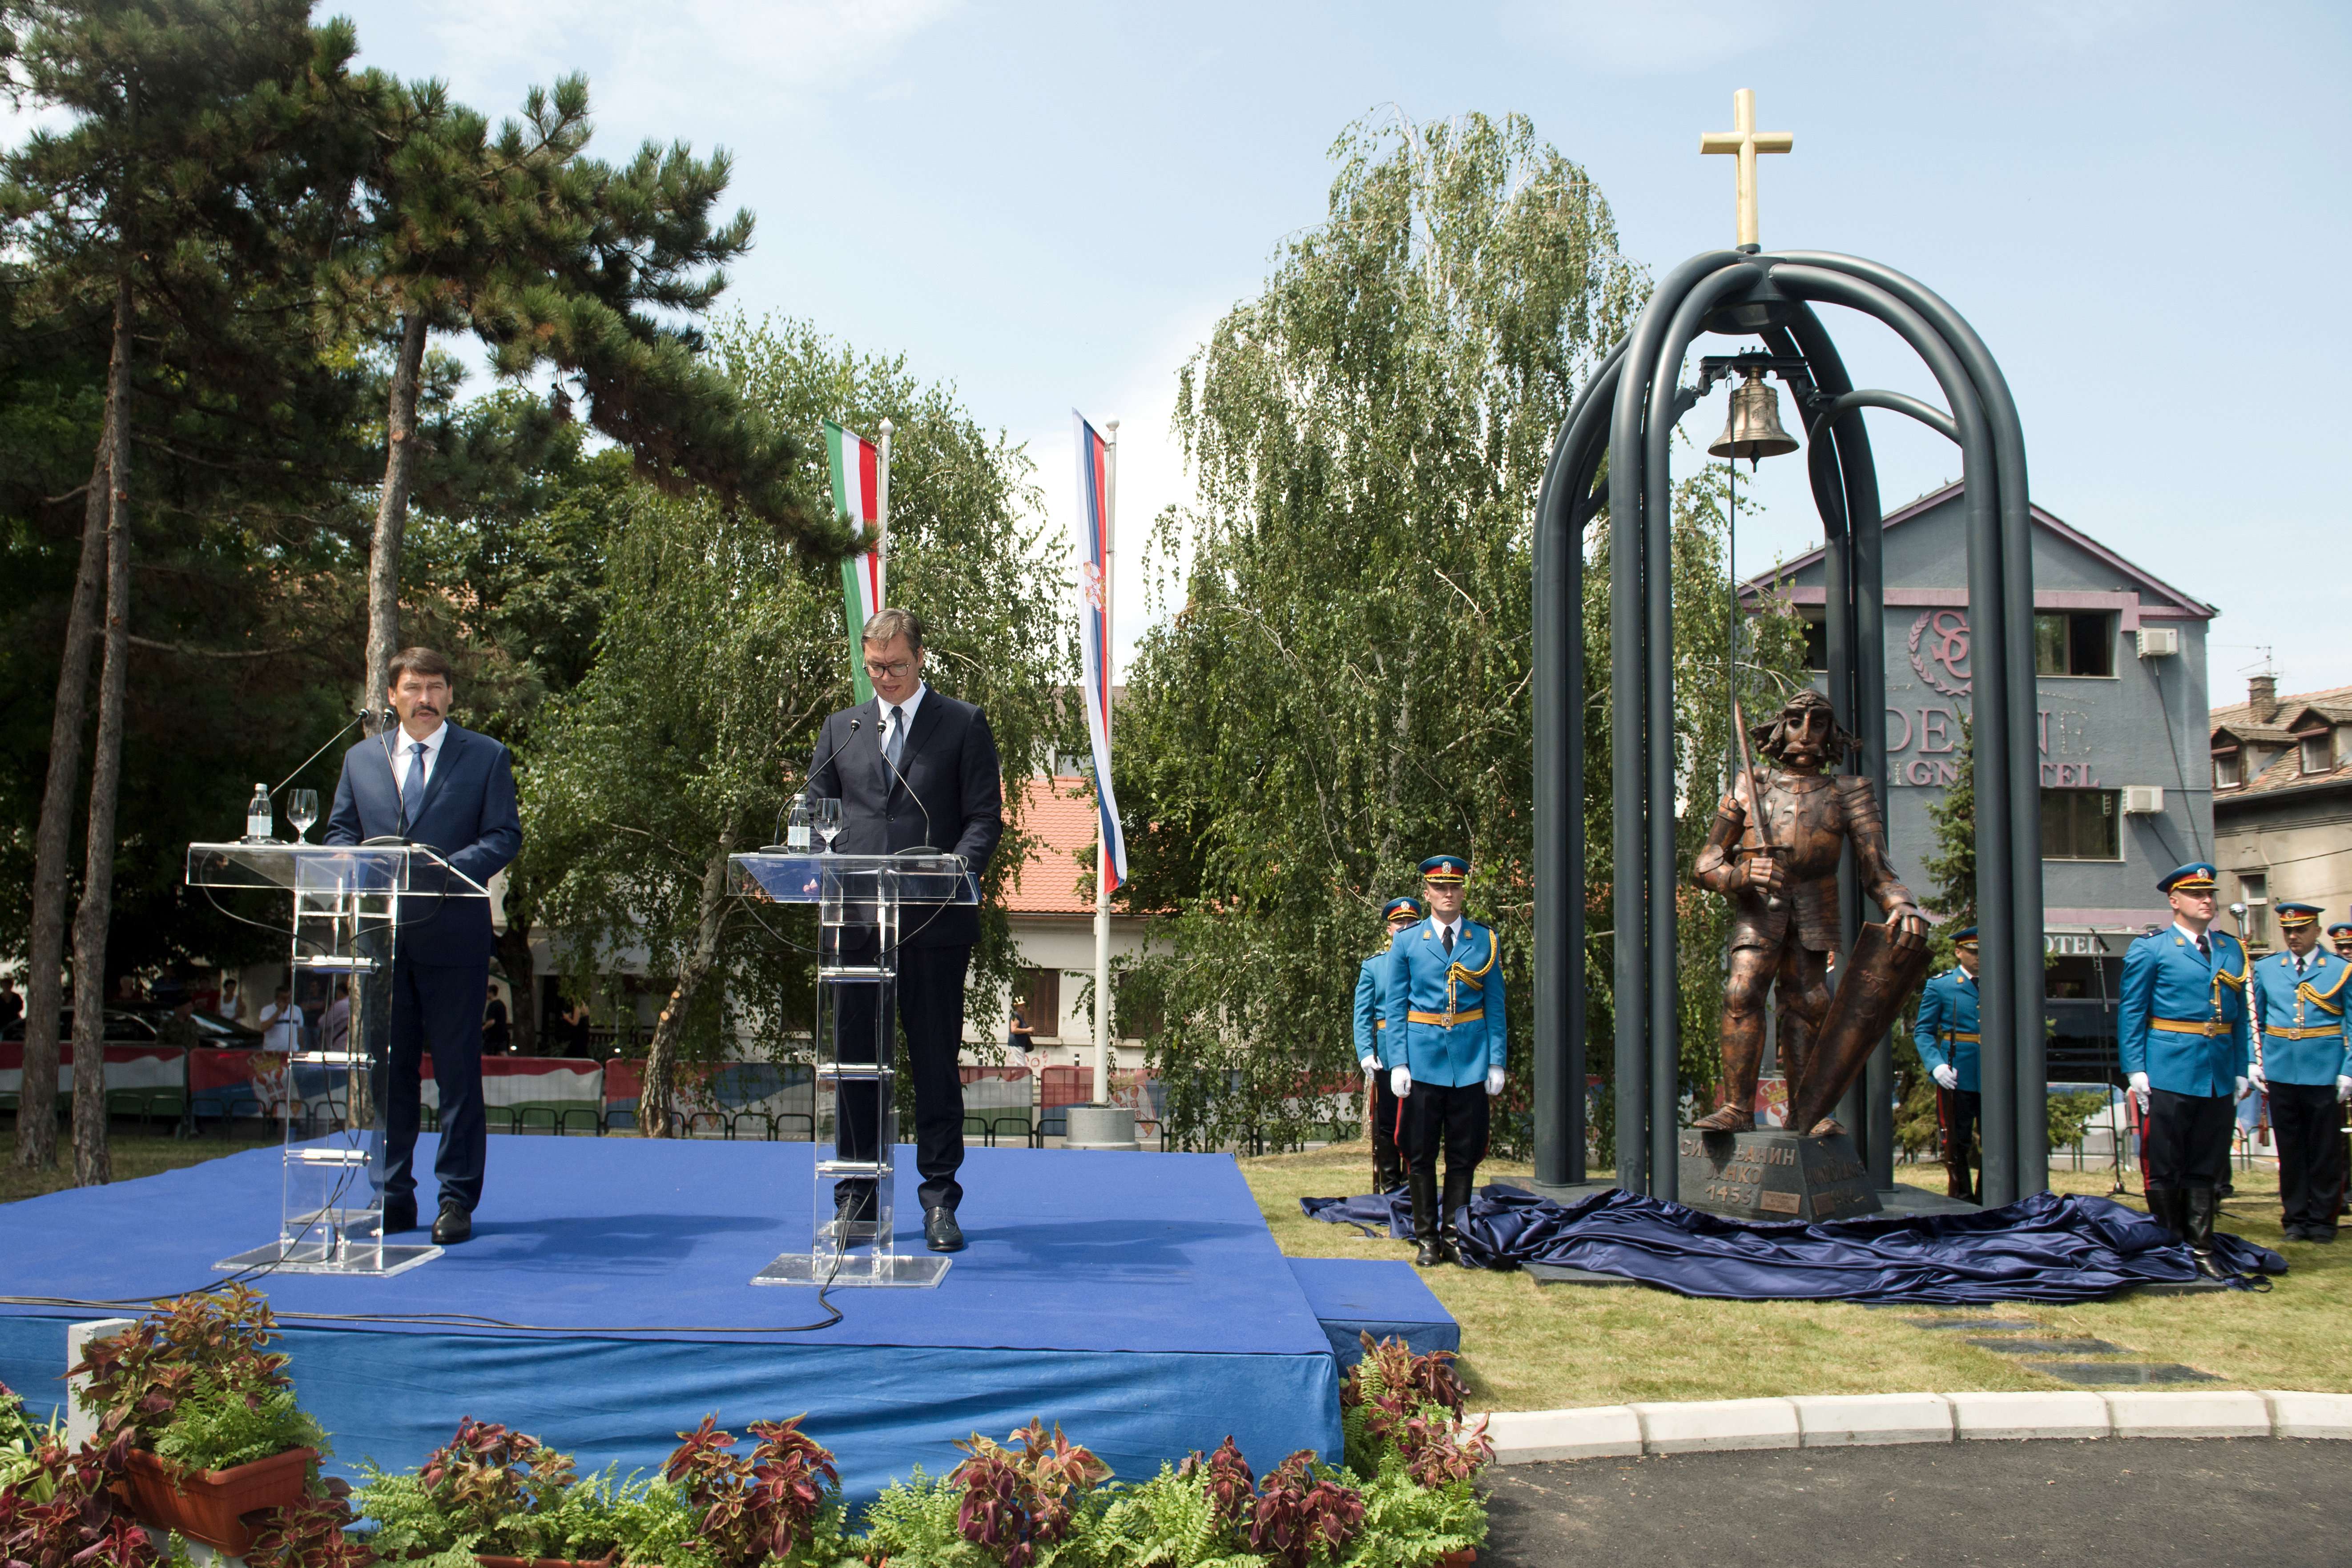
1774	1175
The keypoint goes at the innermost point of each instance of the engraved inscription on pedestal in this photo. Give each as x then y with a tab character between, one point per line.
1774	1175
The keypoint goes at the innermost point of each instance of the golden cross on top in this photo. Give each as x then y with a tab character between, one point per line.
1746	141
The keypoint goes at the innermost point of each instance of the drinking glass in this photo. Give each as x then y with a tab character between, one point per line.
303	811
827	813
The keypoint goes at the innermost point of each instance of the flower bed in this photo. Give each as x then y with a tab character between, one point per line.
1403	1496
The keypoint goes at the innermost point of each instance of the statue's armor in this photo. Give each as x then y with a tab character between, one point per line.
1811	817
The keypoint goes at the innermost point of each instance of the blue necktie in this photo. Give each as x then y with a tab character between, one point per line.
411	789
897	744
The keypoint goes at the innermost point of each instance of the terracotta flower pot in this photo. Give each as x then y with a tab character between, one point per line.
489	1561
1461	1559
209	1505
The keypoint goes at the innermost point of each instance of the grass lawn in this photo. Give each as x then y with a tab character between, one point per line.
1530	1347
135	1154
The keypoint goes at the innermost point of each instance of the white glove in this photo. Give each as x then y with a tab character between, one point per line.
1493	1081
1944	1076
2343	1088
2254	1076
2244	1088
1371	1066
1401	1081
2139	1083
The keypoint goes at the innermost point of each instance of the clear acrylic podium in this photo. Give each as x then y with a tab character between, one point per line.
347	904
864	904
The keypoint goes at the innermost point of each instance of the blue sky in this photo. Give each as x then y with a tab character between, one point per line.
1049	205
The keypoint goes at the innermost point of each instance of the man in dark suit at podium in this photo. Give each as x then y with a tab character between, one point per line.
452	791
914	769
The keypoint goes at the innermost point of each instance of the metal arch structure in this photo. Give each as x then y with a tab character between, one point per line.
1626	414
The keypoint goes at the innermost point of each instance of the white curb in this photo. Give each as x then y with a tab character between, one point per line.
1832	1421
1703	1426
1598	1432
2311	1415
1860	1420
2188	1413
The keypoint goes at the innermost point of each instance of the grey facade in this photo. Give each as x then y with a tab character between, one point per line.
2283	803
2127	778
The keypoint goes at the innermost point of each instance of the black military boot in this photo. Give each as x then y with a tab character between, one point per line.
1386	1177
2164	1208
2201	1203
1431	1251
1456	1205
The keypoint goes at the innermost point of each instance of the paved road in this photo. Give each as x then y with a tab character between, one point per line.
2132	1503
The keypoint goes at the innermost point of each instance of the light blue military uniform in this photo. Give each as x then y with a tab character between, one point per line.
2181	1018
2302	1017
1371	998
1947	1032
1451	1008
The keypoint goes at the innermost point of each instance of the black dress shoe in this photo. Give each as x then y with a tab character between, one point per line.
454	1225
399	1213
940	1232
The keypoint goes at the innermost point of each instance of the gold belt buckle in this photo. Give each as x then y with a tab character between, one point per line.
2214	1027
1448	1021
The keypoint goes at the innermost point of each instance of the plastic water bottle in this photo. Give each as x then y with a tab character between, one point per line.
260	821
796	827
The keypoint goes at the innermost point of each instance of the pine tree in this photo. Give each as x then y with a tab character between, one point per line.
551	259
192	148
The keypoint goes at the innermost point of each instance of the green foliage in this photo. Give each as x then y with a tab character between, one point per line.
913	1523
2069	1114
21	1443
720	652
196	1383
1170	1521
1951	868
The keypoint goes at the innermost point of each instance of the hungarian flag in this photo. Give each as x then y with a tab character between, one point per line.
1094	636
856	464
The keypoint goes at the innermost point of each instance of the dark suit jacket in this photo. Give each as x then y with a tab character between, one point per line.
468	817
956	804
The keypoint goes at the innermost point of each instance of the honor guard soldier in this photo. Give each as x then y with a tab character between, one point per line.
2339	937
2301	1062
1383	1106
2182	1025
1947	1039
1444	1050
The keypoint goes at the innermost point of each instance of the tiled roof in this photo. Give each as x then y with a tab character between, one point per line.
1059	814
2285	769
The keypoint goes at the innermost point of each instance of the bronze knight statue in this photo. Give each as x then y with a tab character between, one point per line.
1779	867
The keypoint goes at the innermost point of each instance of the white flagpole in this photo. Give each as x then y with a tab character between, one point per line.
1102	860
882	530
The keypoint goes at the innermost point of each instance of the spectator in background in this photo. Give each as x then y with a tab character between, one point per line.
12	1005
230	1005
335	1029
1018	1033
126	988
281	1023
498	1027
180	1030
571	1038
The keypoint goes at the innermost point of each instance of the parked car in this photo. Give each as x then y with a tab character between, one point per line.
137	1025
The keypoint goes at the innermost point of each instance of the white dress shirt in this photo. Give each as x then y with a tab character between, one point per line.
402	753
906	715
1438	928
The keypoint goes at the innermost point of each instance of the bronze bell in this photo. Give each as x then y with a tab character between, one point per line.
1754	430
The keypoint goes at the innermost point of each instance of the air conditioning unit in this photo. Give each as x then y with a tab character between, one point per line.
2145	800
2159	642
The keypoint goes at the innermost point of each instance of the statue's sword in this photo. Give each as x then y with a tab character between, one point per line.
1757	811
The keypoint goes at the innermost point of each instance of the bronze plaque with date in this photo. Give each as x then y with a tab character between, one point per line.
1774	1175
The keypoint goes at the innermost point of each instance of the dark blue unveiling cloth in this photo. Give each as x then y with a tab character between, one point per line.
2043	1248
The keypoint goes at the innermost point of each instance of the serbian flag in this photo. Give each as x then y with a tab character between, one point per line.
1094	636
856	464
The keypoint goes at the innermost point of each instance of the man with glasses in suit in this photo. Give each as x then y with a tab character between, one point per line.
913	769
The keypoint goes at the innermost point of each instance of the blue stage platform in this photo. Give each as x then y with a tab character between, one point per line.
1136	1298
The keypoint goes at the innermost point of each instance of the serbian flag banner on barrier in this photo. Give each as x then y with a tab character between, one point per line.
857	482
1094	633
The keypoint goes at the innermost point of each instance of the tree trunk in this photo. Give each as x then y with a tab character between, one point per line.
654	1098
521	969
37	1113
93	1164
391	512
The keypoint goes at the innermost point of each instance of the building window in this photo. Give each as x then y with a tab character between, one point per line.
1817	645
2317	754
2225	770
2255	892
2080	825
1040	996
2074	642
